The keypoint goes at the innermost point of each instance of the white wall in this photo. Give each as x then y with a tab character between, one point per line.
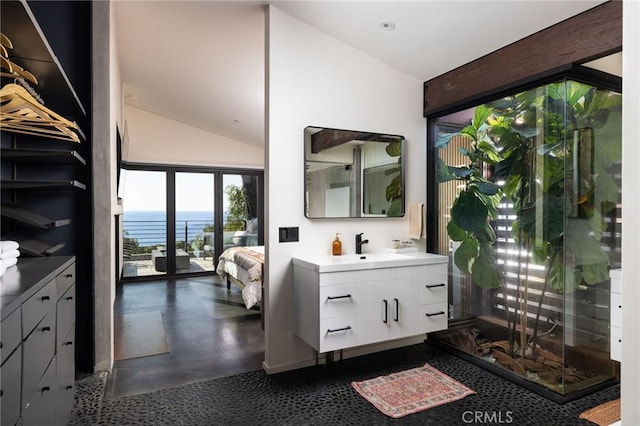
159	140
630	385
313	79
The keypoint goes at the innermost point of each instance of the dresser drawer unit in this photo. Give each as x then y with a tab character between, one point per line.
37	306
66	314
66	279
337	301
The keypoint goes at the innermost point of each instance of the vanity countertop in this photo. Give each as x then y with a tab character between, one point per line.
354	262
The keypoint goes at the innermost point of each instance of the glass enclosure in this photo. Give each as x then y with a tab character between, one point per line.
528	192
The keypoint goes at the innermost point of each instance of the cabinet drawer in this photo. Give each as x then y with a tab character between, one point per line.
337	301
65	355
64	399
337	333
37	351
65	314
616	343
10	334
40	409
352	277
10	385
433	290
616	310
37	306
66	278
434	317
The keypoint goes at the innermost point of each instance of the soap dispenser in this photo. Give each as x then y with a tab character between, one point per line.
337	246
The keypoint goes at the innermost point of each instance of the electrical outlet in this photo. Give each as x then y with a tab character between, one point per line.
288	235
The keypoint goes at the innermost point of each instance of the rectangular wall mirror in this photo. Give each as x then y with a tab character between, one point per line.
353	174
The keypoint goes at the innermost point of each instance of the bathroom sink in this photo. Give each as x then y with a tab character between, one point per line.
354	262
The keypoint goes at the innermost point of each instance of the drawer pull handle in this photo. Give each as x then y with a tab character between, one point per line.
43	298
397	303
69	387
386	311
70	298
434	285
68	343
69	276
335	330
437	313
46	329
45	389
339	297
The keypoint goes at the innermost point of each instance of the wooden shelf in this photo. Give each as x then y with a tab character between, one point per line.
42	184
31	246
23	215
43	156
32	51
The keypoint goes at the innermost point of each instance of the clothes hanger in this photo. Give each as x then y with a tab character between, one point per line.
4	40
15	70
22	113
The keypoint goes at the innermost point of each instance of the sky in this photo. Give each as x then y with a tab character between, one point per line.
146	191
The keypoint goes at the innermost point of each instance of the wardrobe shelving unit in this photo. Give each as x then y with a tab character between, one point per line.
45	181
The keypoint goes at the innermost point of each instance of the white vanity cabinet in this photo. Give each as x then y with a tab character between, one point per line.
352	301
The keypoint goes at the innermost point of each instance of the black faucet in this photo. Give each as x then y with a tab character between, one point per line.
359	243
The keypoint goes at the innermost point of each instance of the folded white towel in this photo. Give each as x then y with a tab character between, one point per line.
8	246
2	268
416	221
10	262
6	255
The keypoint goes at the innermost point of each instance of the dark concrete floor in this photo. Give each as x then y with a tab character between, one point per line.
209	332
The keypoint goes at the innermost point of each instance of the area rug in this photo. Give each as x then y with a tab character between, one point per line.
139	335
603	414
410	391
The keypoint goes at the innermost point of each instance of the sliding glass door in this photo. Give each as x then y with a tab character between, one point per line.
195	231
144	224
179	220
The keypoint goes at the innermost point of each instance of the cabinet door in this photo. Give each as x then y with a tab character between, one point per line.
374	312
404	308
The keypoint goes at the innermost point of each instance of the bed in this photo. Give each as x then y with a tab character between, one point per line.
243	267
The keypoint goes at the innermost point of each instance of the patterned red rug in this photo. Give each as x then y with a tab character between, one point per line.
410	391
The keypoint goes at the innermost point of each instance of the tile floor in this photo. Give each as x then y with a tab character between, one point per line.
192	387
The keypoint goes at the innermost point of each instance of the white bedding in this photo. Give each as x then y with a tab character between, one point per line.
245	265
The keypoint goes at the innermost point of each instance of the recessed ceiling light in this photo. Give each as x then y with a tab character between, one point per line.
387	25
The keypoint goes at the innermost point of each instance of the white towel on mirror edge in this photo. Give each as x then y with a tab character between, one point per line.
416	221
6	246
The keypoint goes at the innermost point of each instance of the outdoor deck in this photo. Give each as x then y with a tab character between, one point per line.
142	267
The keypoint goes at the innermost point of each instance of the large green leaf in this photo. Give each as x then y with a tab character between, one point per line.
394	149
487	188
481	115
455	232
468	211
395	208
442	172
484	271
444	139
465	254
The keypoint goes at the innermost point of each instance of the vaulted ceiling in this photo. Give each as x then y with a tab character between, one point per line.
203	62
